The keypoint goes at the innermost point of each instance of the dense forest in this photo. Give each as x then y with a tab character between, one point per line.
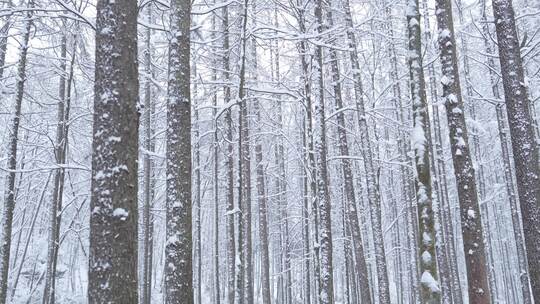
270	151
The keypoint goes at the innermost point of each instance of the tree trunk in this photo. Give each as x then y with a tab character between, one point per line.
352	223
231	246
373	195
197	192
439	174
281	177
58	191
524	147
178	247
215	143
471	223
326	292
244	286
397	102
309	148
305	219
148	164
9	196
508	175
431	291
261	195
113	220
477	155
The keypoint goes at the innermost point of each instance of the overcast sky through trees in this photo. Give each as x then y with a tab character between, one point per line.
270	151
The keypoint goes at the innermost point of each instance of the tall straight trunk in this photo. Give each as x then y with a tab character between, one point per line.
215	143
309	148
471	223
178	247
262	198
439	174
326	292
508	176
351	218
411	222
58	190
263	213
373	194
431	291
231	245
217	289
148	169
397	102
245	292
524	146
281	179
261	194
305	221
477	155
114	217
9	196
197	192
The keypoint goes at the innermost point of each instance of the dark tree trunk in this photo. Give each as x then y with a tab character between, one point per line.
113	221
326	292
9	196
431	287
179	243
524	145
471	223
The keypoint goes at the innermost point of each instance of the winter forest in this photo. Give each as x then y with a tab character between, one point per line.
270	151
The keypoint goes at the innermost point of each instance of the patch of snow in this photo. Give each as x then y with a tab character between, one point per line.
429	281
426	258
121	213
